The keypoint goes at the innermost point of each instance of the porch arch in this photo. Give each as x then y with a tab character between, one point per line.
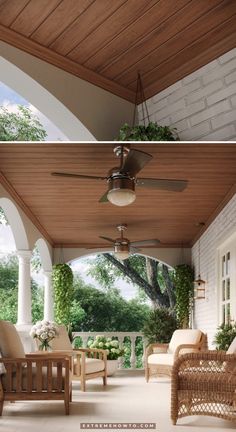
15	221
41	98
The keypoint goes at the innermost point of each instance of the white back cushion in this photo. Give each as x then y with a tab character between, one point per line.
62	341
10	342
185	336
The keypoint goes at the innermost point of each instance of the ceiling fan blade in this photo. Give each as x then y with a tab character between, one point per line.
104	198
82	176
145	243
134	250
107	239
134	162
165	184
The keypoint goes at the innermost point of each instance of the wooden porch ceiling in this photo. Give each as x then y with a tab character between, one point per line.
106	42
67	209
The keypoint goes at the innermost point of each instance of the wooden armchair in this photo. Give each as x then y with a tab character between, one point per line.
31	377
204	384
87	363
159	358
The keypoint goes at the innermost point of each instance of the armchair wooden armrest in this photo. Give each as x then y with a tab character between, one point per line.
91	352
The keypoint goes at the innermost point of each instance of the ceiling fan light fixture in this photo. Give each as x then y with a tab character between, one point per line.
121	197
122	255
121	190
121	251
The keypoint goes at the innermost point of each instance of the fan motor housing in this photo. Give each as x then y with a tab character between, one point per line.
121	246
119	181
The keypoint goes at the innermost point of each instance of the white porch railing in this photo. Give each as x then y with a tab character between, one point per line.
120	336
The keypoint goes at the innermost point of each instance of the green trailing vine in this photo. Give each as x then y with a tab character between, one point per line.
62	277
183	277
151	132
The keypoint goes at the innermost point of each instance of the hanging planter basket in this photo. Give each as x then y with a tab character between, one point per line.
145	132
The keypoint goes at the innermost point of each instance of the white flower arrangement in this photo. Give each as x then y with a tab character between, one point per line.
44	331
110	345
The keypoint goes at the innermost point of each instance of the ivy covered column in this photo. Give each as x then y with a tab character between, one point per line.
24	316
48	296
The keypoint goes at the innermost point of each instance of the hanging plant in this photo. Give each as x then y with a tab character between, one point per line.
151	132
62	277
183	277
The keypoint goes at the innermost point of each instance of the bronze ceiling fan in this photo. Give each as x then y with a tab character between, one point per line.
123	247
122	180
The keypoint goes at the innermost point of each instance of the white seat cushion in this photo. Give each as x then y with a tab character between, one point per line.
186	336
161	359
94	365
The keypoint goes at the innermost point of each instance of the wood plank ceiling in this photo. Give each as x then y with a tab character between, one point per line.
68	208
107	42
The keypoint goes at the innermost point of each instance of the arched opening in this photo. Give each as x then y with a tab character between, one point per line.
46	103
16	224
116	302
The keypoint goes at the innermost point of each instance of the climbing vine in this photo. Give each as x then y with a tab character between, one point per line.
183	279
62	277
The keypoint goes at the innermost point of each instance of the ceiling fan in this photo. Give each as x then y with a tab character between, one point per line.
122	180
123	247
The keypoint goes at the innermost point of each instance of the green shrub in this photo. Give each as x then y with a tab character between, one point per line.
160	325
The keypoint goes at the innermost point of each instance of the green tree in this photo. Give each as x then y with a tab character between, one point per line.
9	291
106	310
22	125
149	275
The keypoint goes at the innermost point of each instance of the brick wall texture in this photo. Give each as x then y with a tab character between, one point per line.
205	315
201	106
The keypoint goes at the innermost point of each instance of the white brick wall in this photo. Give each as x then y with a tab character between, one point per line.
205	311
202	106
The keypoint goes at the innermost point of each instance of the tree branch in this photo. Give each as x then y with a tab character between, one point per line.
125	267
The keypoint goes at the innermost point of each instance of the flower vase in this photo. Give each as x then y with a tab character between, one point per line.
112	366
45	347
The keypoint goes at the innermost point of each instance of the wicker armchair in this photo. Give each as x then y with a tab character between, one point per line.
31	377
204	384
159	358
87	363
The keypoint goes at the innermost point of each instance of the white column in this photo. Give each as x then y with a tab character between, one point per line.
121	359
48	296
133	354
24	288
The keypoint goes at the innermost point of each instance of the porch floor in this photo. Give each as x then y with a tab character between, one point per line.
127	398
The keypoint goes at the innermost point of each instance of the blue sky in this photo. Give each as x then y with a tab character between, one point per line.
10	99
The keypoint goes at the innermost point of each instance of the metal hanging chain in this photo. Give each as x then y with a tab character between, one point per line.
139	89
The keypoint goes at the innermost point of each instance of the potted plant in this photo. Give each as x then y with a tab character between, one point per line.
113	351
225	336
159	326
151	132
